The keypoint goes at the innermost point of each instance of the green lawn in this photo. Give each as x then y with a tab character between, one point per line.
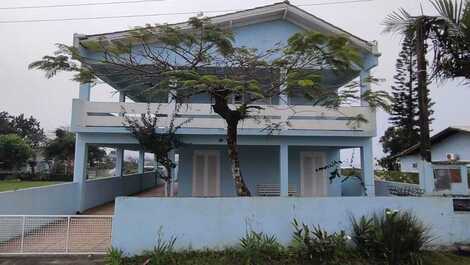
6	185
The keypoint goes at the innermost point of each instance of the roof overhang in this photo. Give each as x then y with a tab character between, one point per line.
437	138
282	10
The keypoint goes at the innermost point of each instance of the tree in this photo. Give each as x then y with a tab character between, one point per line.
202	60
14	151
157	140
448	33
404	131
62	148
27	128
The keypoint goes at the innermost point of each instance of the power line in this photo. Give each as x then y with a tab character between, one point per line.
163	14
78	4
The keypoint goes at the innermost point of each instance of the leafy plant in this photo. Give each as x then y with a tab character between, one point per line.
317	245
393	238
162	252
114	256
258	247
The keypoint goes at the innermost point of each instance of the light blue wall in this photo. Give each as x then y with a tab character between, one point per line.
215	223
260	165
54	199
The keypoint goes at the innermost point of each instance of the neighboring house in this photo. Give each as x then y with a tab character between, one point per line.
450	153
285	161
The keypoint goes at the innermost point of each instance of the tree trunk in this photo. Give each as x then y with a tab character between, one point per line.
240	185
425	142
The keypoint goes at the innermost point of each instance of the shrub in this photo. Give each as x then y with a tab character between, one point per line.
259	247
163	250
318	246
393	238
114	257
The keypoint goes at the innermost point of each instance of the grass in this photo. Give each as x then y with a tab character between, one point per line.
236	257
444	258
7	185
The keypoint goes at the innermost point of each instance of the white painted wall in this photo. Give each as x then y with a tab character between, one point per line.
458	143
54	199
220	222
407	163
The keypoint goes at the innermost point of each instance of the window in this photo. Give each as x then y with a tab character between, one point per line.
444	177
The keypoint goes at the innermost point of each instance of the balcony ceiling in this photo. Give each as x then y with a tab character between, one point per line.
139	82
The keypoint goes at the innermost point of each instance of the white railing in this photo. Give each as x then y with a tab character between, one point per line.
55	234
110	114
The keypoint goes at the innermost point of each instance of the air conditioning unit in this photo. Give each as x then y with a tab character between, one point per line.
452	157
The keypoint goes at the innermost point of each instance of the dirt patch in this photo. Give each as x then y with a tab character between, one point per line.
55	259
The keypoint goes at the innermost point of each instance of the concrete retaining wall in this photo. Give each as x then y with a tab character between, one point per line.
62	199
100	191
219	222
54	199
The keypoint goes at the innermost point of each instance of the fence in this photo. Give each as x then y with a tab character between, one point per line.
55	234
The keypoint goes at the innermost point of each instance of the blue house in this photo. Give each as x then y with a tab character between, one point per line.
280	164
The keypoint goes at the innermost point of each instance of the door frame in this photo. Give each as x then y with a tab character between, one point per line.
205	153
302	173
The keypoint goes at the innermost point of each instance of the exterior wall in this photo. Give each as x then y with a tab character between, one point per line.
220	222
100	191
458	144
64	198
54	199
407	163
260	165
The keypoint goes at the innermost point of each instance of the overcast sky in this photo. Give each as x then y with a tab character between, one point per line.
50	101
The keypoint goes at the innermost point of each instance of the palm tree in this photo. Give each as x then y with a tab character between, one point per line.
448	33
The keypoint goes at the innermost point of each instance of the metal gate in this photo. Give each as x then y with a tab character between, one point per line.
55	234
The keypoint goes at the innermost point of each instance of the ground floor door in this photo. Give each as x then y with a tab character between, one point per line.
313	182
206	173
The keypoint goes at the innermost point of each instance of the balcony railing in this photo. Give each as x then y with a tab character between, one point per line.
201	116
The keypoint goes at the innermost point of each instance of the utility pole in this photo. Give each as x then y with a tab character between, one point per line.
423	101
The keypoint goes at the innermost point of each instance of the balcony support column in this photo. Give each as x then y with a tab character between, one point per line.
140	165
367	163
80	170
284	169
365	85
84	91
119	162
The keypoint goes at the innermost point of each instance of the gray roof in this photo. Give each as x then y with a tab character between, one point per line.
437	138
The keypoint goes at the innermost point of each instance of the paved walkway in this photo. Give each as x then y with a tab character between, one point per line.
86	234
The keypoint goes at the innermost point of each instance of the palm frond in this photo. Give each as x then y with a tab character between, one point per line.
399	22
451	10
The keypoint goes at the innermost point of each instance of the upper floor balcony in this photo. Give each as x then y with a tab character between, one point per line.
201	119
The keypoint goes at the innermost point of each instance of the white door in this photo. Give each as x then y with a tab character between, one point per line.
206	173
313	182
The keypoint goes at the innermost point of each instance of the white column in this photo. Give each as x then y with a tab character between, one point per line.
119	162
84	92
426	176
284	169
367	163
364	84
80	170
173	173
464	174
140	167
